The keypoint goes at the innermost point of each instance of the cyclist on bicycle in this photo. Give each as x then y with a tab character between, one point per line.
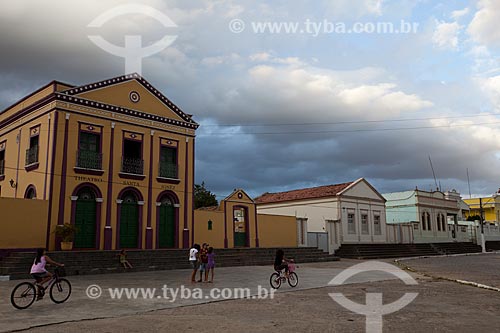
39	272
280	262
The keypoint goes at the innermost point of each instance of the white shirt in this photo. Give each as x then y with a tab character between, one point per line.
192	254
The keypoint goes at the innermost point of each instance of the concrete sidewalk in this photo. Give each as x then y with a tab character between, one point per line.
81	307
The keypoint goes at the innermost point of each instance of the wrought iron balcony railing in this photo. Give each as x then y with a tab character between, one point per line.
133	166
168	170
89	160
32	155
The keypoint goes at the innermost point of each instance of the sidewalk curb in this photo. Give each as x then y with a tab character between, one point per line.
448	255
463	282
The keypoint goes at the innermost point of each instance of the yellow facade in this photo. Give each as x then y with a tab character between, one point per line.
26	230
491	208
132	188
224	226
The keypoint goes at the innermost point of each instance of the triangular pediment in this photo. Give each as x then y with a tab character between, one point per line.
131	92
240	196
361	188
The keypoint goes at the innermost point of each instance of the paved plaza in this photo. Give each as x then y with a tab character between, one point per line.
441	305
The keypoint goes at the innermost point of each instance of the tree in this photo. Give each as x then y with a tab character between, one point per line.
203	197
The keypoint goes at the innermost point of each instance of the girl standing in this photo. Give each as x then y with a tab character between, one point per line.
211	263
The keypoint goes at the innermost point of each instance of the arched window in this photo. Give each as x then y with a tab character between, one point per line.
86	193
165	201
429	222
30	192
438	220
130	197
424	222
444	222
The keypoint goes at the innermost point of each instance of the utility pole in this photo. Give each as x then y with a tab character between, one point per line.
483	242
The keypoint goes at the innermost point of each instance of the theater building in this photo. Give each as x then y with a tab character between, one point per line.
115	158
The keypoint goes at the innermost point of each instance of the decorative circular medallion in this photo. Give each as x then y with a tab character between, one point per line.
240	195
134	96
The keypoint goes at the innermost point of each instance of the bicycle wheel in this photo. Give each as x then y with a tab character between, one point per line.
293	279
23	295
60	291
275	280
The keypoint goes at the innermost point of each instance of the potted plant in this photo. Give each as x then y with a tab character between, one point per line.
66	232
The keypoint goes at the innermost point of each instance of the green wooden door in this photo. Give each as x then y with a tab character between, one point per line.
240	239
129	224
85	222
167	226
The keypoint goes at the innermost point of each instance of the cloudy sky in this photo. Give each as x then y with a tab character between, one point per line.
299	107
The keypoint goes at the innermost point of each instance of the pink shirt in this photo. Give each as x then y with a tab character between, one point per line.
40	267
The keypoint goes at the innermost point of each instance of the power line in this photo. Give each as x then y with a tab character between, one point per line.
352	121
351	131
335	123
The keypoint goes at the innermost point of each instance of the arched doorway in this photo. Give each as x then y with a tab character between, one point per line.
129	220
85	219
167	222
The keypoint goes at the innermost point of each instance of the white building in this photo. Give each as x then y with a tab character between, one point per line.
328	216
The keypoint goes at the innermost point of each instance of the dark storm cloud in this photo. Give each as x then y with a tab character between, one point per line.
246	79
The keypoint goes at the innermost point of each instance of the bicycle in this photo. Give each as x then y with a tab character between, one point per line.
24	294
279	276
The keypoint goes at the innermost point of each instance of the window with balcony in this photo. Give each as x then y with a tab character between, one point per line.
32	151
89	151
168	163
132	162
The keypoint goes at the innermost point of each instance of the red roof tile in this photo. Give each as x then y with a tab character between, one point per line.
211	208
305	193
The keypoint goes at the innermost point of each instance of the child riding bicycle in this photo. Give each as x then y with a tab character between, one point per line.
39	272
280	262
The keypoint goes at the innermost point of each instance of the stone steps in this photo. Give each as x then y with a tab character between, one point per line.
377	251
17	265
